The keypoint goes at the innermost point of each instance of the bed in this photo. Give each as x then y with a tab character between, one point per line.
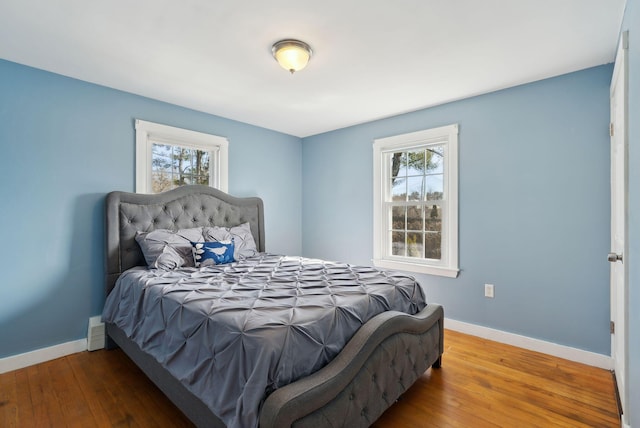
376	365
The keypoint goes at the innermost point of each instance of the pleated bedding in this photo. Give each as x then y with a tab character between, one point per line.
234	333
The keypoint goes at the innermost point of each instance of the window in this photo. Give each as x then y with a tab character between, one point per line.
168	157
416	201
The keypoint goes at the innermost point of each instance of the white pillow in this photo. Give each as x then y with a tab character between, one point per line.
168	249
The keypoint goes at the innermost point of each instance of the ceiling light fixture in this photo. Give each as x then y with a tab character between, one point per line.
292	55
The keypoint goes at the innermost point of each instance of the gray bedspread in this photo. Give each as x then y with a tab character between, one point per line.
234	333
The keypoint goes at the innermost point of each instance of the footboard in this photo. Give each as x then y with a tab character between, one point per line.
381	361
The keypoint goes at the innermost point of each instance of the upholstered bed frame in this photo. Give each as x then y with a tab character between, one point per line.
377	365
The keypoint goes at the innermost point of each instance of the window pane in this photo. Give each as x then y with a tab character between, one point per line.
188	164
414	218
415	246
398	217
435	157
435	187
432	245
201	162
433	228
398	164
206	156
416	162
196	162
415	188
161	181
160	157
398	243
399	189
202	179
433	218
178	159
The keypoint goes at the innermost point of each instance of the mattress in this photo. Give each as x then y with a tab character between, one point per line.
234	333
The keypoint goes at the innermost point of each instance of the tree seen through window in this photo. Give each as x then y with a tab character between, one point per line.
174	166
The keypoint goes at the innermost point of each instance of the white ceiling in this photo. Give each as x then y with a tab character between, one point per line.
372	58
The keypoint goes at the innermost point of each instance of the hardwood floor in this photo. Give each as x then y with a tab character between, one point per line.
481	384
488	384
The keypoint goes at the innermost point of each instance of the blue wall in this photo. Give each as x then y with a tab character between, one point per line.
632	23
64	145
534	196
534	205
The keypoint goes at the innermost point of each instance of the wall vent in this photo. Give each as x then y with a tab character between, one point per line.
95	335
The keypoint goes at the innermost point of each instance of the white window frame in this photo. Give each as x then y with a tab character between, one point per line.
448	264
148	133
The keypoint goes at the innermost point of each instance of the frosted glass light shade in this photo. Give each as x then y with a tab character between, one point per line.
292	55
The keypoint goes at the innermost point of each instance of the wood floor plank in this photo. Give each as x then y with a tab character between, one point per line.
68	392
24	416
93	389
46	408
481	384
8	401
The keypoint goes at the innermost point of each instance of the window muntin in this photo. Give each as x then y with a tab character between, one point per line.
169	157
415	201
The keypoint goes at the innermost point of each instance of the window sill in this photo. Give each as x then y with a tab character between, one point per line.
417	268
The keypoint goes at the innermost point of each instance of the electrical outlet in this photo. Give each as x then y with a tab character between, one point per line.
489	291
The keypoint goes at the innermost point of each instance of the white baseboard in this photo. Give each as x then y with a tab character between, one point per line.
560	351
38	356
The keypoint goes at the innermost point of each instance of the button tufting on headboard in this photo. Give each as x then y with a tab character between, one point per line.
184	207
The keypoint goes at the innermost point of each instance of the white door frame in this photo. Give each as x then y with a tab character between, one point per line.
619	277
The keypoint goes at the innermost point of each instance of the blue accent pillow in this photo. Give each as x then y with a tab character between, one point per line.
213	253
242	237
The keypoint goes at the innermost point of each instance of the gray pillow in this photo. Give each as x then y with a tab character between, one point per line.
245	245
168	249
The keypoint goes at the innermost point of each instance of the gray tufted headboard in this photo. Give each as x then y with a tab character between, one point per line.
184	207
